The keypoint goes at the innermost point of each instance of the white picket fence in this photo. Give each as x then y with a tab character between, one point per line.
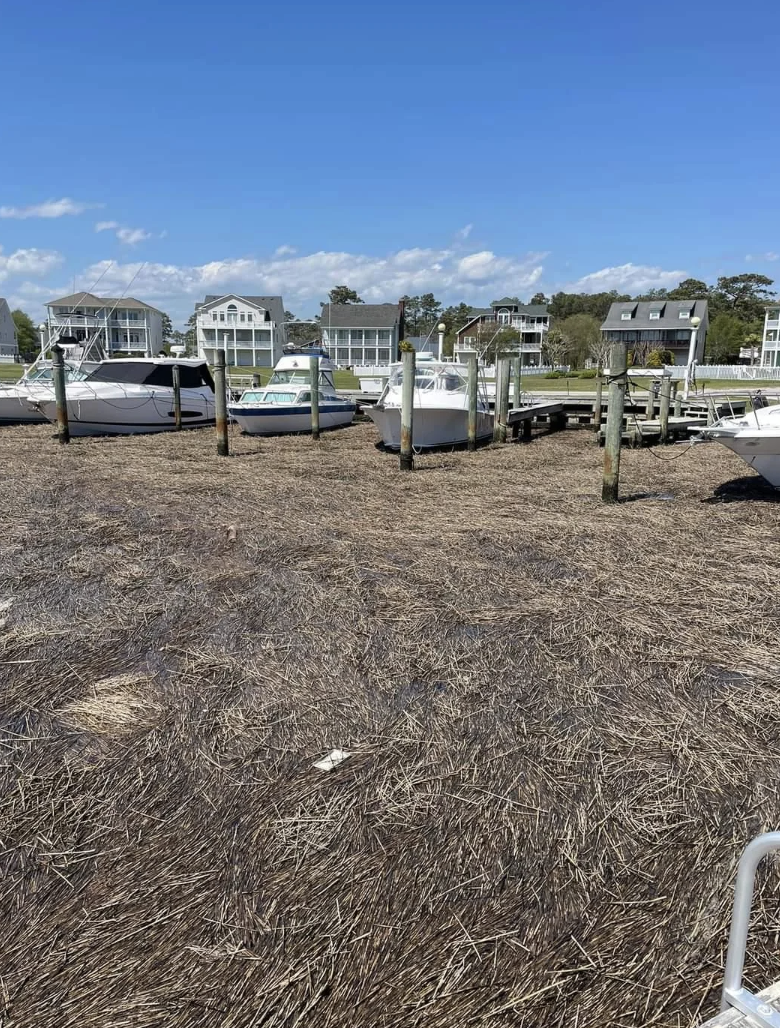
742	372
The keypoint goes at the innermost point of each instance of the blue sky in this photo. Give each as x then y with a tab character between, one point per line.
465	149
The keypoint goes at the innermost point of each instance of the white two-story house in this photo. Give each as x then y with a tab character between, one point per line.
531	320
117	326
770	350
250	329
9	350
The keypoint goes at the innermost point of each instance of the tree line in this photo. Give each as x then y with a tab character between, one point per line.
736	309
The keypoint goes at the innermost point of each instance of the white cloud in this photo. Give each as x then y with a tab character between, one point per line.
48	209
28	262
304	280
626	278
284	251
769	256
128	236
131	236
465	232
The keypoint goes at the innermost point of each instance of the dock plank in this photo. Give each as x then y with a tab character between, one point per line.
734	1019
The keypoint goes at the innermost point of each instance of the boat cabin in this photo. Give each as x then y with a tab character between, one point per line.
192	374
278	394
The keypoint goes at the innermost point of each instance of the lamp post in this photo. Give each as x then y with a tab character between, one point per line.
42	334
695	322
442	328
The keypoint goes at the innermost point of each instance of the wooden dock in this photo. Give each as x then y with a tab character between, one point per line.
551	414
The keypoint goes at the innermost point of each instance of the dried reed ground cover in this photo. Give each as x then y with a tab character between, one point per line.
564	721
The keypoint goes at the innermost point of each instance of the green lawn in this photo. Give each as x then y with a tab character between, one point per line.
10	372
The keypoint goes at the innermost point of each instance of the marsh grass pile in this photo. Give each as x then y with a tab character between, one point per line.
562	721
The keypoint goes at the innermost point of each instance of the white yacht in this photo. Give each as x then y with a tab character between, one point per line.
755	437
284	405
16	399
131	395
440	415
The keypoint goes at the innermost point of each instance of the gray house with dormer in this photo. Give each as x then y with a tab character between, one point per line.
648	325
9	350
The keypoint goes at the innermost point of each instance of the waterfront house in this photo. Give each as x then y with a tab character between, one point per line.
531	320
250	329
9	349
362	333
117	325
646	325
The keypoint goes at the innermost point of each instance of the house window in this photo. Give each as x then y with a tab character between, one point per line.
356	337
503	317
625	316
242	316
772	315
654	315
213	315
684	314
221	315
249	317
771	336
232	311
384	335
384	356
342	354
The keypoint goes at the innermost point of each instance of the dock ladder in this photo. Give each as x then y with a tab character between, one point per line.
734	994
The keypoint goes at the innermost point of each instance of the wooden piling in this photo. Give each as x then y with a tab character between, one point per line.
407	411
473	387
650	405
598	403
58	372
221	404
614	432
176	376
314	375
517	382
666	397
502	401
677	400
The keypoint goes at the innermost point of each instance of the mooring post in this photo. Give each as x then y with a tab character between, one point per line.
650	405
473	385
666	397
505	387
407	411
314	366
677	400
497	401
255	381
517	381
176	377
221	404
598	402
58	371
614	432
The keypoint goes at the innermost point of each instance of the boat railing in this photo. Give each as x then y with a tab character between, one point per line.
735	995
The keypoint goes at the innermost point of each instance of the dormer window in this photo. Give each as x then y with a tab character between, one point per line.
654	316
625	316
684	314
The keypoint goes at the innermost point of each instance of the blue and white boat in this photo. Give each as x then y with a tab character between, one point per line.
284	405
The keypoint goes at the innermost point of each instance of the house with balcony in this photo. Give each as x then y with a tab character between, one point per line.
362	334
9	349
531	320
646	325
770	347
116	325
250	329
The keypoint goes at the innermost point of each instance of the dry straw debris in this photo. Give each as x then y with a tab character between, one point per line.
563	723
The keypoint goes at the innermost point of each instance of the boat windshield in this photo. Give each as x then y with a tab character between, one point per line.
73	373
297	376
451	379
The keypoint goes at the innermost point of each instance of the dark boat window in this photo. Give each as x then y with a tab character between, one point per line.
141	373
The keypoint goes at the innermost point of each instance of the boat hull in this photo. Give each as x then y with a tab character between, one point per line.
432	426
280	420
759	450
130	415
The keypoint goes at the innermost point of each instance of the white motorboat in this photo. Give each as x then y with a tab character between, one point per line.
132	395
284	405
755	437
16	399
440	414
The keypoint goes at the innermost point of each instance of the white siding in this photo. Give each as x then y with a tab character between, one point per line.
9	350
